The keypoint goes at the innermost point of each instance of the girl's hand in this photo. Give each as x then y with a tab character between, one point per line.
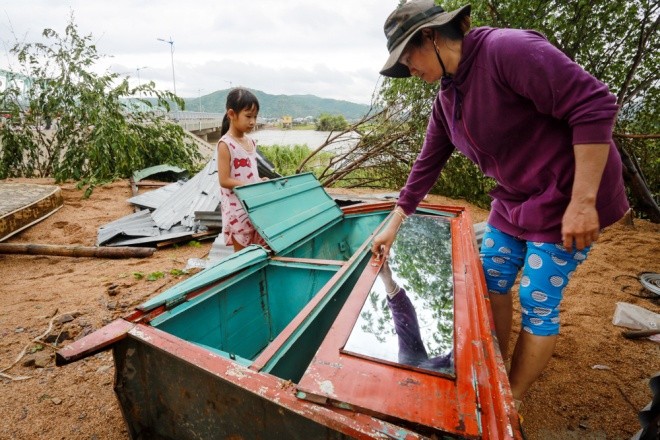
263	179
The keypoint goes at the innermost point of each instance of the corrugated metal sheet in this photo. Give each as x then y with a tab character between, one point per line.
139	224
201	193
172	234
153	199
169	172
209	219
173	211
138	228
173	214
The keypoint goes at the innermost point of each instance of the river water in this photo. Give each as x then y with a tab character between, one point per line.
313	139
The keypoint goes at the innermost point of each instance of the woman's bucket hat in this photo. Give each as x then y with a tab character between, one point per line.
405	21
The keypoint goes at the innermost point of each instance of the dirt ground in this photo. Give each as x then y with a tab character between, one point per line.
593	388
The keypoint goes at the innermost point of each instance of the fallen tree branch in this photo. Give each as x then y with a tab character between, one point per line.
637	136
38	339
76	251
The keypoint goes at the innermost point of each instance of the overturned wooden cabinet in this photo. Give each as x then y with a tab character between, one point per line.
312	337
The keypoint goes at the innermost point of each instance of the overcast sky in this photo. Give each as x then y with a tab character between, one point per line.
332	49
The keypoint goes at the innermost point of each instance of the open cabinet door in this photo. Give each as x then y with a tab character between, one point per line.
286	211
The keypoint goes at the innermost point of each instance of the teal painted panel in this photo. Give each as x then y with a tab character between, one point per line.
287	210
245	318
231	317
200	324
231	264
209	293
291	287
238	359
339	241
239	318
293	357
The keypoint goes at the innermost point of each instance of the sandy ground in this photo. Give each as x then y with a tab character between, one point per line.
593	388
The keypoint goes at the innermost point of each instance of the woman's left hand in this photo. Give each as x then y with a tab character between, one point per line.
580	225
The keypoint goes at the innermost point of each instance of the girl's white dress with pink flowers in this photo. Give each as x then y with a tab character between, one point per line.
235	222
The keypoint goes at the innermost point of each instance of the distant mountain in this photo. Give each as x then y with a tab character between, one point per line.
276	106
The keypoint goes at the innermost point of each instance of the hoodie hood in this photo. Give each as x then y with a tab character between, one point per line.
472	43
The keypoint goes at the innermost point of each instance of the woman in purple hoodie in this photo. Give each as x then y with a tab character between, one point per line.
539	125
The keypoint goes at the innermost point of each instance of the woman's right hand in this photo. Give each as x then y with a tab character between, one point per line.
383	241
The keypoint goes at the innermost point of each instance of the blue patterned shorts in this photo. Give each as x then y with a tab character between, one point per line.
547	267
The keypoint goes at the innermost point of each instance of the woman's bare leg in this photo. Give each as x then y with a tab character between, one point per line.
530	356
502	308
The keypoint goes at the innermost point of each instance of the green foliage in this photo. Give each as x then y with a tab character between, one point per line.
615	41
328	122
178	272
461	179
646	151
35	348
76	124
618	43
303	127
153	276
287	159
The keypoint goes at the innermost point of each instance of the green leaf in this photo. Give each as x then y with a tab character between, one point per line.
153	276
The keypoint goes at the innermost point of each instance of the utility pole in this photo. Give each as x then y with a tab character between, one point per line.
199	95
138	76
171	43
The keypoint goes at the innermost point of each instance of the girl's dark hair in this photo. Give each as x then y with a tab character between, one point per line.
455	30
238	99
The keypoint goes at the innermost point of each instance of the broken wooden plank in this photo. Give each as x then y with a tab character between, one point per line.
94	342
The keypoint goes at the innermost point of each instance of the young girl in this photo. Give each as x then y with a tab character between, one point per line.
237	165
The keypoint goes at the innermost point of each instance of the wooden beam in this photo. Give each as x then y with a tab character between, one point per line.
76	251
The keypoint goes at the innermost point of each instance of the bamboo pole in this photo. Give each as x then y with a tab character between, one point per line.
76	251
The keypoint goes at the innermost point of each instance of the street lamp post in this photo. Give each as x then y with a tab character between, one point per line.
171	43
199	95
138	77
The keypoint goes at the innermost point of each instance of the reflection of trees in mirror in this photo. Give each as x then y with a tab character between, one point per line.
377	319
421	255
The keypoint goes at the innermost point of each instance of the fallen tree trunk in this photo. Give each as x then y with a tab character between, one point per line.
76	251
